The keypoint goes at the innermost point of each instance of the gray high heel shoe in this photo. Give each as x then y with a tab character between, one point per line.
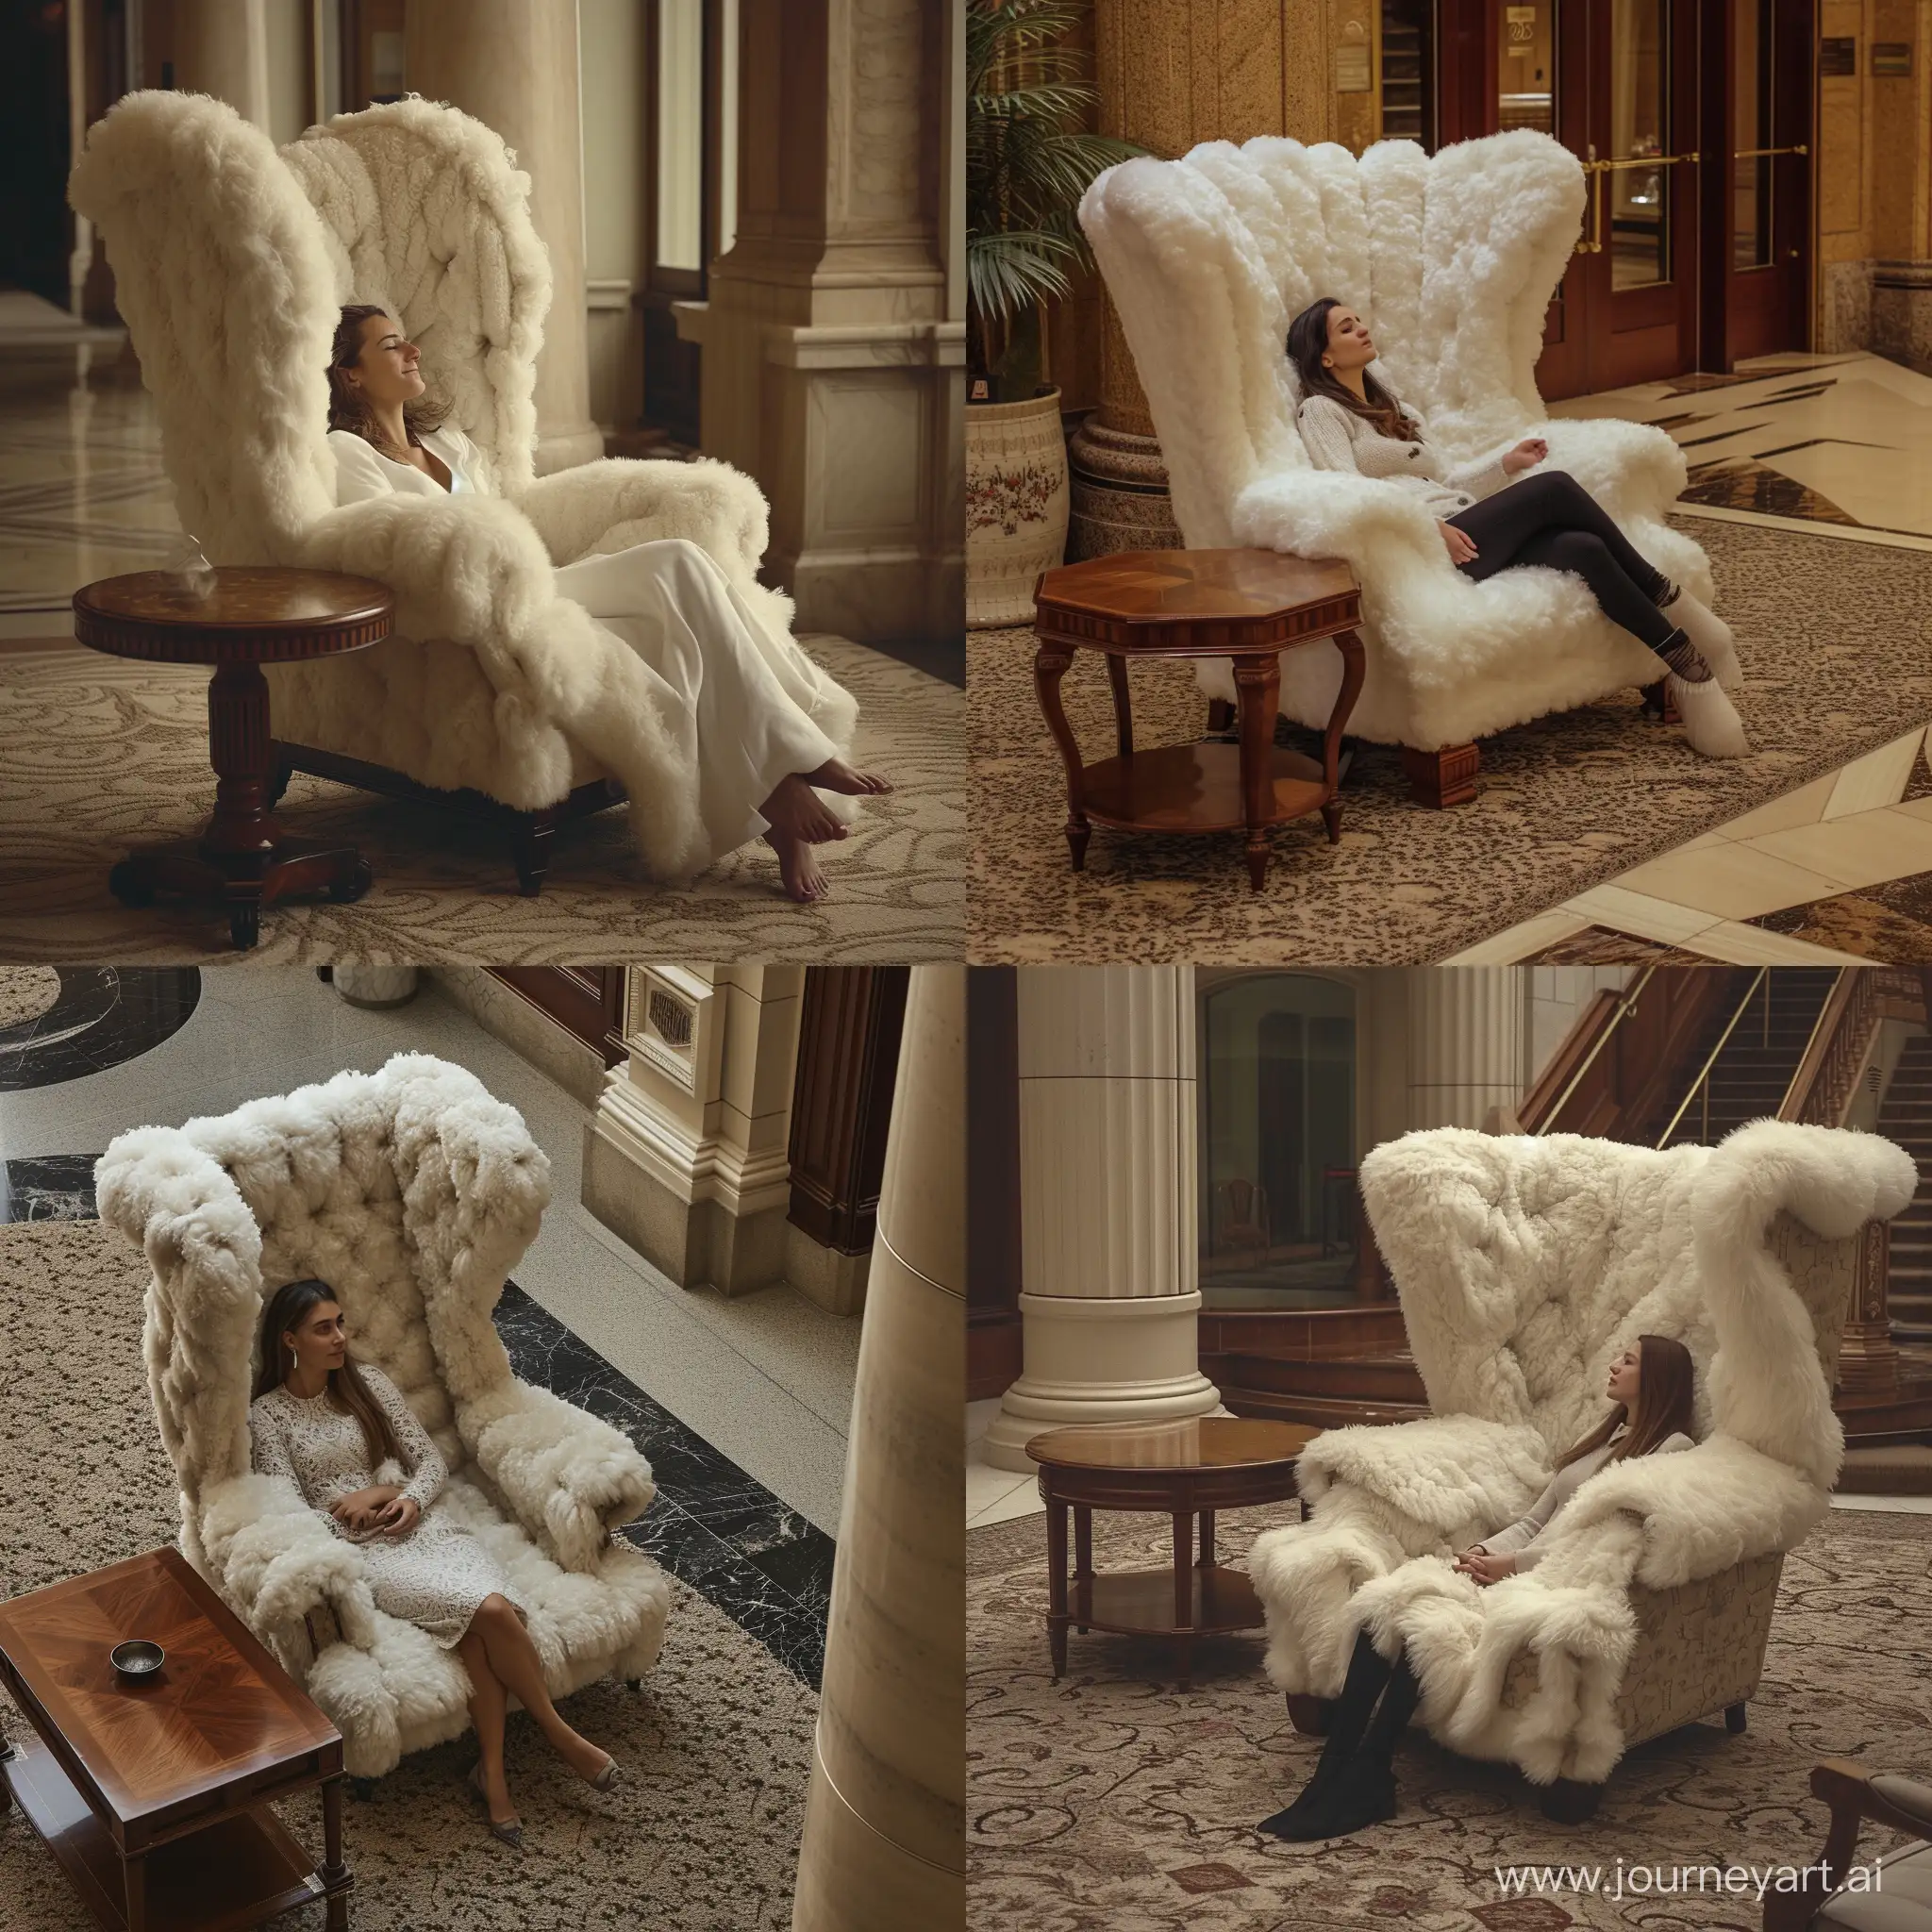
604	1778
510	1833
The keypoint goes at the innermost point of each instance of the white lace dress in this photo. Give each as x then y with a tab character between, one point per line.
436	1575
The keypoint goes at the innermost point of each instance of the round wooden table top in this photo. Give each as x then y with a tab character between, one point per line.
259	613
1208	1442
1160	587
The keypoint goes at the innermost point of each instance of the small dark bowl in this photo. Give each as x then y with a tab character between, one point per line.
139	1660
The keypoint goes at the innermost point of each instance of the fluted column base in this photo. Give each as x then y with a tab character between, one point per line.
1120	499
1134	1360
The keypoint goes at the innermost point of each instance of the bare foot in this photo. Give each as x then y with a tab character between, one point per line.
794	807
798	866
835	774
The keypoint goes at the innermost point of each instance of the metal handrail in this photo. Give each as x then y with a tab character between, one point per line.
1832	1010
1703	1079
1626	1004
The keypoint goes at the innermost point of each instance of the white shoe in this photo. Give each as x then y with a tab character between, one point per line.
1710	719
1710	634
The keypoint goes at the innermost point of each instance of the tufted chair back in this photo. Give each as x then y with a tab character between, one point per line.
1452	259
411	1191
232	261
1525	1265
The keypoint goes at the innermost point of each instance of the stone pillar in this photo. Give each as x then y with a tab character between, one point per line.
220	48
1170	77
686	1155
1468	1042
1108	1203
885	1820
513	64
832	370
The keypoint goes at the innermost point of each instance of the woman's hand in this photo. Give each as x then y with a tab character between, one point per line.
1461	547
1525	456
397	1517
1484	1567
359	1509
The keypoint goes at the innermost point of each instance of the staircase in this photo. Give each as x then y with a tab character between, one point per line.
1906	1118
1749	1076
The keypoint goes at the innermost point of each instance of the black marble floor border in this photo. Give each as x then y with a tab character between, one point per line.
103	1017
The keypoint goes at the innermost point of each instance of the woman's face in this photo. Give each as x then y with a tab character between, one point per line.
1625	1375
386	372
319	1342
1350	345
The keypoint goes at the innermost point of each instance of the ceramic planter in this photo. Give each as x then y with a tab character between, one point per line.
1016	505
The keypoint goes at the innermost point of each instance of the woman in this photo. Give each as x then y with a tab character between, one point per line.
1490	521
1354	1784
337	1431
750	697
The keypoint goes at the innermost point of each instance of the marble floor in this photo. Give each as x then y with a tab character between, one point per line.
742	1405
993	1495
1840	871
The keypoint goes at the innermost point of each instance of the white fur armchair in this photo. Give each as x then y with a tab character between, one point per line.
1524	1267
1453	258
232	260
412	1193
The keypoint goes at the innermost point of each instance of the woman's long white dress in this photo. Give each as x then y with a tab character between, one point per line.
746	694
437	1574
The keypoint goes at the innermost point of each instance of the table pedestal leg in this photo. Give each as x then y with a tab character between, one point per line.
134	1891
335	1878
6	1790
1057	1584
1122	705
1206	1539
1083	1560
1257	691
1049	666
241	861
1184	1594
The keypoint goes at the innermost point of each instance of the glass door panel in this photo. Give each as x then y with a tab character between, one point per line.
1751	51
1639	215
1527	66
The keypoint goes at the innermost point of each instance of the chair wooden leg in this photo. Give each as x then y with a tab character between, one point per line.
1310	1716
530	848
1220	715
1568	1802
1733	1718
1444	778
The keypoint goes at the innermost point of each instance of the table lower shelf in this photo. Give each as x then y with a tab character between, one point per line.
1139	1602
1195	788
234	1874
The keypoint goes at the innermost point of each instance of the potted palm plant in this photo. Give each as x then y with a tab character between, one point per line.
1028	161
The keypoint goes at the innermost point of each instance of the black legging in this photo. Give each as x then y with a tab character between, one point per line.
1552	519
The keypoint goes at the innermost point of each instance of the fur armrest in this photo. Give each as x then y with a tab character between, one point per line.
276	1560
618	500
1446	1476
569	1478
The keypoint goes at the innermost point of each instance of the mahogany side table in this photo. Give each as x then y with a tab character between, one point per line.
1246	604
1183	1470
255	615
154	1796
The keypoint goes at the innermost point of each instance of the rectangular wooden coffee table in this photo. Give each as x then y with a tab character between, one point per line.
155	1797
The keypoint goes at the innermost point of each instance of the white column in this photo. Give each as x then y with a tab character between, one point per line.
686	1155
220	48
513	64
1468	1045
832	365
1108	1207
885	1823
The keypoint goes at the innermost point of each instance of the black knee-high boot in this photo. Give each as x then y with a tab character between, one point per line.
1363	1790
1368	1676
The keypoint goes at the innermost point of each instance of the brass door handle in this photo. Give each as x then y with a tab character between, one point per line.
1757	153
1597	170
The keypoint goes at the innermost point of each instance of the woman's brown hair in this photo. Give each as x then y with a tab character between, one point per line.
1307	343
1664	1383
348	408
348	1394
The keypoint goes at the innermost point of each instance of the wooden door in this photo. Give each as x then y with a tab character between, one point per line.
1758	178
1616	82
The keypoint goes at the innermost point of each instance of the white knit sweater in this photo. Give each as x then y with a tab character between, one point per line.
1336	439
1520	1538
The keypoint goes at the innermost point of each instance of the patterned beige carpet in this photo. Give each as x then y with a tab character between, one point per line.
1114	1802
701	1833
1837	641
98	756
